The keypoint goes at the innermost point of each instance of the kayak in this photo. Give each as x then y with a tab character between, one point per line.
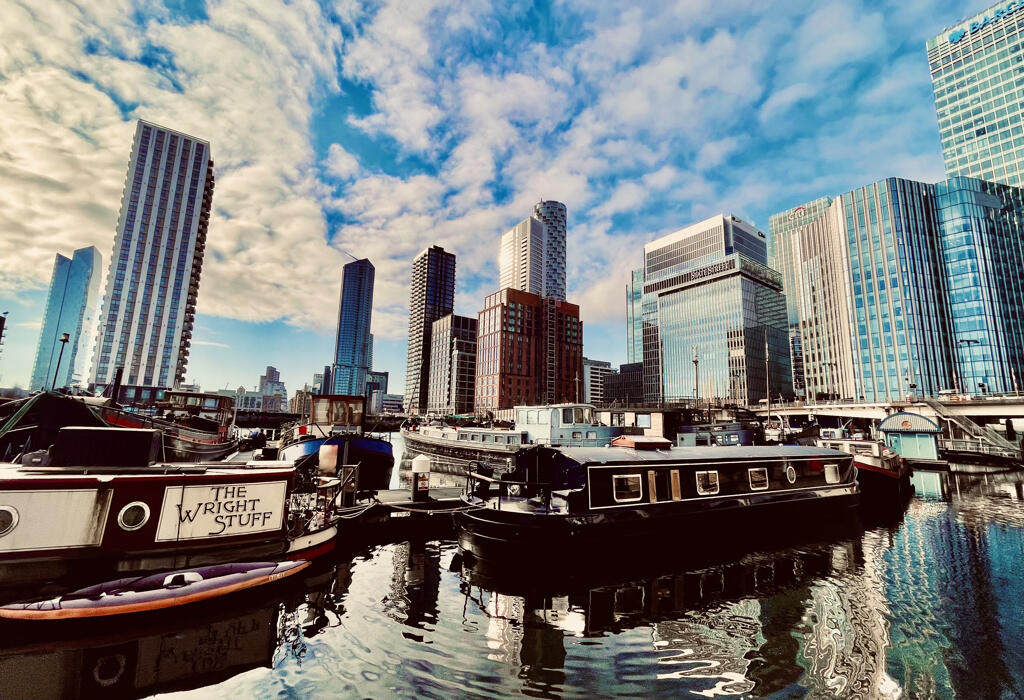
154	592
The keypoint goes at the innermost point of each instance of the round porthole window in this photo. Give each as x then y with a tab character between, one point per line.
791	474
133	516
8	519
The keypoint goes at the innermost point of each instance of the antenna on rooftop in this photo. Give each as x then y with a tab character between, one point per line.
350	255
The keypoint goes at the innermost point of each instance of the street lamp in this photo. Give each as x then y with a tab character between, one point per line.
64	338
696	382
969	342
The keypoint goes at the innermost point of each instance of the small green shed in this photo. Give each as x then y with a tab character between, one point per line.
911	435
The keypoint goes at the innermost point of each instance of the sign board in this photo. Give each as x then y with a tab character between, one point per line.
221	510
959	33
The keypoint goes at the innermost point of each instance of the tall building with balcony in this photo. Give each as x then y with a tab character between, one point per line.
352	343
149	305
72	306
514	363
452	365
532	253
594	373
975	69
709	296
431	296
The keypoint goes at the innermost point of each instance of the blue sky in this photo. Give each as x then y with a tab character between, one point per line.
379	129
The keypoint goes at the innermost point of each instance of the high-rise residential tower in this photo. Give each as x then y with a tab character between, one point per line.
532	257
431	296
72	305
352	345
594	374
452	365
975	68
153	279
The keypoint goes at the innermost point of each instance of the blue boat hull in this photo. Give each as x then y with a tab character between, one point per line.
374	456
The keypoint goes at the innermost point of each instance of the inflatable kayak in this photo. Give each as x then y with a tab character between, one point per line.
154	592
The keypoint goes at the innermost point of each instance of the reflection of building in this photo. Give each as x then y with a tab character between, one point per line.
71	307
514	365
415	583
352	345
709	295
452	365
153	279
431	296
594	374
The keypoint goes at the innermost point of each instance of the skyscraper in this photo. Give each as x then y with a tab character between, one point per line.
431	296
709	295
352	345
153	278
452	365
635	316
594	374
975	68
72	305
532	257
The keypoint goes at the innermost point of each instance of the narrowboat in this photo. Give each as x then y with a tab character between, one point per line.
100	500
882	473
555	425
568	501
337	420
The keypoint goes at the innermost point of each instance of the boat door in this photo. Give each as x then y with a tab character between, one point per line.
894	442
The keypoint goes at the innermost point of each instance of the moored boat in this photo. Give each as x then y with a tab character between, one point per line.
882	473
561	502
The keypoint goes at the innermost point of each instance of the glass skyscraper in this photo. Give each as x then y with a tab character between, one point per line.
71	307
153	278
635	317
352	344
431	296
709	295
977	69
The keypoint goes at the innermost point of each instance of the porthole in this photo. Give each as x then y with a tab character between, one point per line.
8	519
791	474
133	516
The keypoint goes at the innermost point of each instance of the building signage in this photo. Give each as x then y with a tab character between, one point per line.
1004	11
221	510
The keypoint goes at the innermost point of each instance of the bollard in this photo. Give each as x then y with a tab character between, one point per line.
420	478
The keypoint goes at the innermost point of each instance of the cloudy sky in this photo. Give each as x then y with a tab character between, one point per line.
379	129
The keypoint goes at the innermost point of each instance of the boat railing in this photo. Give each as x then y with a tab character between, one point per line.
483	487
978	446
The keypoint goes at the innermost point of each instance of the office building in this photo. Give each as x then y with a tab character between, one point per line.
302	402
635	316
431	296
391	403
514	363
376	381
975	68
352	345
532	257
271	384
72	306
594	373
712	309
149	304
626	386
452	365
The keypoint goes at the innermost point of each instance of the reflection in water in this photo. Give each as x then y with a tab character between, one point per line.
927	605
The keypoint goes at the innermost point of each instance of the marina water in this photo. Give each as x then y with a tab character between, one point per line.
923	602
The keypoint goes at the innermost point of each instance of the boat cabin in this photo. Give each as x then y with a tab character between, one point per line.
564	424
721	434
911	435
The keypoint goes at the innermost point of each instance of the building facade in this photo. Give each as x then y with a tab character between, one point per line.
271	384
391	403
431	296
975	69
72	307
594	373
302	402
376	381
452	365
714	316
553	215
532	253
514	365
625	387
152	284
635	316
352	343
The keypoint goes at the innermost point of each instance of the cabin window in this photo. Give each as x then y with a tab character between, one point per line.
543	417
8	519
566	416
209	403
707	483
133	516
592	434
676	490
472	437
577	435
618	419
531	417
831	473
484	438
758	478
790	473
627	488
643	420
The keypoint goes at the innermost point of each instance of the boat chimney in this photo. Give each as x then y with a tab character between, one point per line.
115	390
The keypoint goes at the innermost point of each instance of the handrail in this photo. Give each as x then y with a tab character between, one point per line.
491	479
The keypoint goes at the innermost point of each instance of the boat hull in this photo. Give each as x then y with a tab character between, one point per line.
374	456
456	458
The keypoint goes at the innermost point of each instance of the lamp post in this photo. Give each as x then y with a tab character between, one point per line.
969	342
696	383
64	338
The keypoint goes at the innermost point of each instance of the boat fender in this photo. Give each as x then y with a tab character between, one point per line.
328	459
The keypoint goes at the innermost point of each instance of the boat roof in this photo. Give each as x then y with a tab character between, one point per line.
622	455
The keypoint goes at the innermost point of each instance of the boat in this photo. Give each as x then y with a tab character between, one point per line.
153	593
582	501
337	421
568	424
883	474
99	499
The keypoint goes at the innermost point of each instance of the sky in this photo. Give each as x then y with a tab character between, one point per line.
376	130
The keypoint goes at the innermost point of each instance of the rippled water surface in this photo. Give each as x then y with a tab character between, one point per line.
930	602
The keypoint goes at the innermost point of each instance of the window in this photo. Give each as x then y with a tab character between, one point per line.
707	483
627	488
758	478
577	435
831	473
643	420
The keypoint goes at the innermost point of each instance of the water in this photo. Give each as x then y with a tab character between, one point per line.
926	603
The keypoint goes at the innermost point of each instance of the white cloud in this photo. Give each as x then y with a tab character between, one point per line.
340	162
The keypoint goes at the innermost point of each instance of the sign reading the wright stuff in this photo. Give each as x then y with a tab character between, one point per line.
221	510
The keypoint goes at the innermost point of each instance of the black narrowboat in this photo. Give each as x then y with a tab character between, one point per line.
557	502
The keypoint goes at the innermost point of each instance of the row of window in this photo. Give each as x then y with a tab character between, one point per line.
628	488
